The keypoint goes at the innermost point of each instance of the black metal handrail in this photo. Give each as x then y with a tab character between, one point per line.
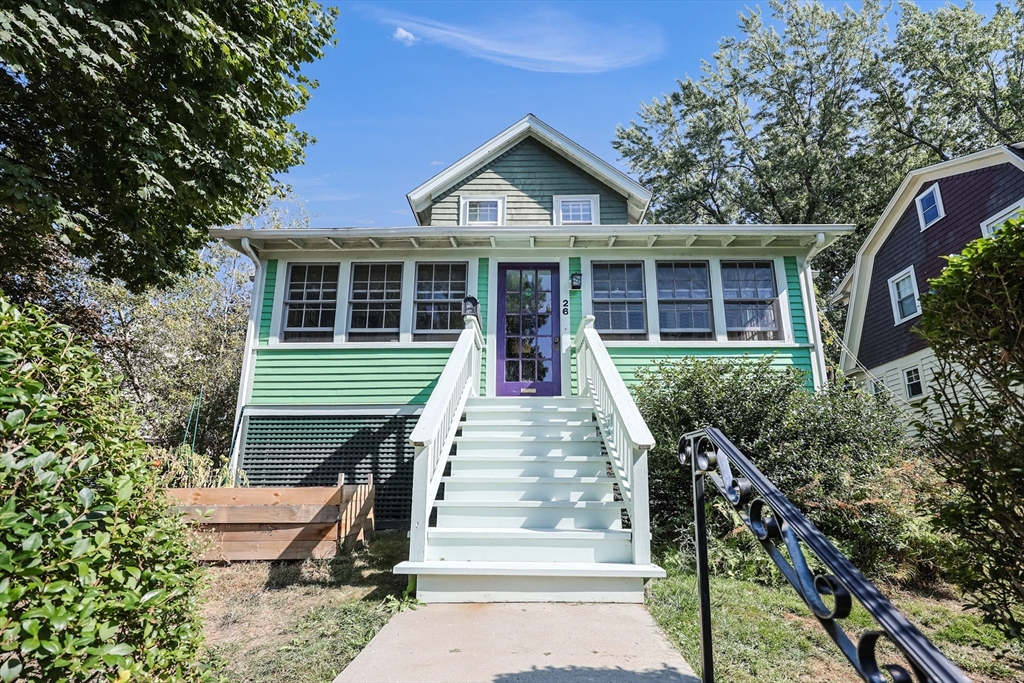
772	518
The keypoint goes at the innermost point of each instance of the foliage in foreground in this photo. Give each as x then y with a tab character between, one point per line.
128	129
766	634
97	581
974	421
840	456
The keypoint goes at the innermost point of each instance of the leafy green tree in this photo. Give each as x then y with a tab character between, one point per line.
179	350
820	120
774	130
127	129
840	456
951	82
97	580
973	319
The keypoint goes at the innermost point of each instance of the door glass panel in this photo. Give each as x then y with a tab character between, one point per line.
544	324
529	324
544	371
511	325
543	302
544	280
529	371
511	371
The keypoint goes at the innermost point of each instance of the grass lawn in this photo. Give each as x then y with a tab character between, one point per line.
300	622
767	634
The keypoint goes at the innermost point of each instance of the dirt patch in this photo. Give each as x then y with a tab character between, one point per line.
259	616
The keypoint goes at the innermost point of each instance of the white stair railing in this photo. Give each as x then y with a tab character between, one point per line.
627	437
435	431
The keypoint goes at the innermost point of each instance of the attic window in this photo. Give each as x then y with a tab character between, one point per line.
577	210
483	211
929	206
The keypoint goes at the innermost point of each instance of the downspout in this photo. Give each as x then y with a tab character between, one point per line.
247	359
812	300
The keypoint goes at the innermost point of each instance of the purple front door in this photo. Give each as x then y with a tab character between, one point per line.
528	330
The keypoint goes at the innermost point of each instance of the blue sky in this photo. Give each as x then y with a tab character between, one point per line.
413	86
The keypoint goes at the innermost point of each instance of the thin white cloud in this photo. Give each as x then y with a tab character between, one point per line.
437	163
403	36
543	40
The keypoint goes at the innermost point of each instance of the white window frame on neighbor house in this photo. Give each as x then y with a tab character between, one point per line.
595	208
464	202
938	205
989	225
895	301
919	380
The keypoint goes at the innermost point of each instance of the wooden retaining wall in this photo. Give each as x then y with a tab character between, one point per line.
279	523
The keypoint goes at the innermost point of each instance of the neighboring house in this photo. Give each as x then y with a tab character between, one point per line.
351	329
935	212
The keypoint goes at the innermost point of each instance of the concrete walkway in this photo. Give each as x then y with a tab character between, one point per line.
521	643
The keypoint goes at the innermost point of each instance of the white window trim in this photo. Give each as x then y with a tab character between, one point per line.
416	302
989	224
402	326
595	207
281	324
906	384
895	302
938	204
464	201
644	269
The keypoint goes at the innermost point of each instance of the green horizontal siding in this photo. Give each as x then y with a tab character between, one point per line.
796	301
297	376
267	305
575	317
528	176
627	360
482	278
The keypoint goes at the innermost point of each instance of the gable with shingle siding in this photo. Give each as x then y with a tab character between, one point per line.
529	176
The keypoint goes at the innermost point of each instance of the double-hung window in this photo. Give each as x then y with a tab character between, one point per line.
440	289
751	301
912	381
989	227
375	304
482	211
929	206
577	210
684	300
311	303
619	301
903	294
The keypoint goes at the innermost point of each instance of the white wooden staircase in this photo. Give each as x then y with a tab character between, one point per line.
528	494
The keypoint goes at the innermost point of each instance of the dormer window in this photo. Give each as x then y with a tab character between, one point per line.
577	210
929	206
483	211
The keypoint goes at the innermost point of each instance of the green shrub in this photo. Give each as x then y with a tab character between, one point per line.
97	580
840	455
974	420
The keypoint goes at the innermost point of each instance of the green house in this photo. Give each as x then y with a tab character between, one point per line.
477	362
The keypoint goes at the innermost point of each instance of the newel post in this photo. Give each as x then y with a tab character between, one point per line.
641	521
688	451
420	507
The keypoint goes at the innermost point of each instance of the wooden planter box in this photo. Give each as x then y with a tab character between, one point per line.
279	523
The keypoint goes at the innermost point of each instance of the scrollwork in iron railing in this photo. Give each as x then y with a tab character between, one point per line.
774	520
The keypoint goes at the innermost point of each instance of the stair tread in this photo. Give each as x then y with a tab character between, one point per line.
530	503
582	569
481	436
528	458
532	533
472	479
528	423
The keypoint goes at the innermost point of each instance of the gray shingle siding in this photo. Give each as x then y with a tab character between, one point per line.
968	199
528	175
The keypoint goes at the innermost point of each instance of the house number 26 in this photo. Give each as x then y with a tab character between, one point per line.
565	307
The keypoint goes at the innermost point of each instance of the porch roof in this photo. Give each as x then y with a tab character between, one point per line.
799	238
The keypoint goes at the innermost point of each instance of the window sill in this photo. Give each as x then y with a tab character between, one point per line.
341	346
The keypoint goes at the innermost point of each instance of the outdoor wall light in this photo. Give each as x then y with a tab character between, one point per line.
470	306
576	280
